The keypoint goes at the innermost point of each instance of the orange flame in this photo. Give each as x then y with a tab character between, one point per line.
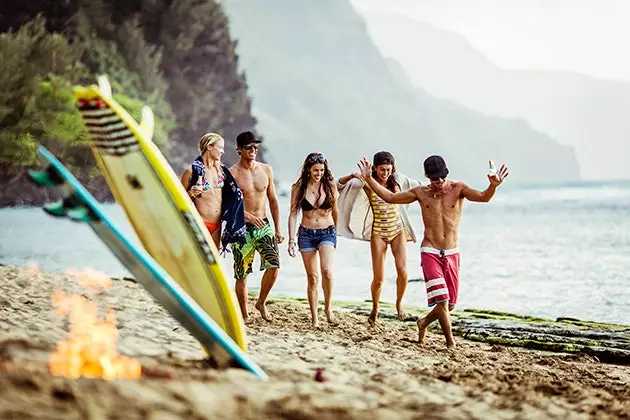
90	348
92	280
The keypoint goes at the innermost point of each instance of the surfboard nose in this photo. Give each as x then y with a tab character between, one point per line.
147	122
104	87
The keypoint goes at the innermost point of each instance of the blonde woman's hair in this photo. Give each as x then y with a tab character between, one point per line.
208	139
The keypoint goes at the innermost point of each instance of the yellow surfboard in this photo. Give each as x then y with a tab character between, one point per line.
159	209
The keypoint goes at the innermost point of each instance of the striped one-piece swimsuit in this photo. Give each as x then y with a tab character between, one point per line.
387	223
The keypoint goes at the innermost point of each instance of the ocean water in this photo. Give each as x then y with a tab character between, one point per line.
546	251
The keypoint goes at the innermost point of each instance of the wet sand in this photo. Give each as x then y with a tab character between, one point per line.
368	372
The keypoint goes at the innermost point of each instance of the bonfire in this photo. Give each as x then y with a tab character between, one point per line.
90	347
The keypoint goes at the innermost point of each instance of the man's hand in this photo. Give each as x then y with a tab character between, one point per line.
496	180
279	237
253	220
366	168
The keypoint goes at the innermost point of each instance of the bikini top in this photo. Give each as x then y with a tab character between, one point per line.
202	181
219	184
307	206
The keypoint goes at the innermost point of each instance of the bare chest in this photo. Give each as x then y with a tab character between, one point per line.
252	182
446	206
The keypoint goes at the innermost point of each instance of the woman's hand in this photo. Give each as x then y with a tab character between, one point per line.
357	175
195	191
291	247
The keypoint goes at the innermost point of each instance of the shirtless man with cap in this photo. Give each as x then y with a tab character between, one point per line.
441	203
255	180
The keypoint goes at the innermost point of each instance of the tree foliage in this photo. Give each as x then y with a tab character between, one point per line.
174	55
132	68
178	50
37	70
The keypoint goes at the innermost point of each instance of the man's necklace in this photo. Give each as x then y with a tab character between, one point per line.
437	194
442	192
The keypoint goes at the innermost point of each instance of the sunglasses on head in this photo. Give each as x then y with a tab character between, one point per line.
319	158
251	146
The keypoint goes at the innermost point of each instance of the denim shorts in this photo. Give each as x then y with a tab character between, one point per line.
310	240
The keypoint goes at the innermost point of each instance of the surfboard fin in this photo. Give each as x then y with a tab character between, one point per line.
147	122
104	87
71	207
80	214
56	209
47	178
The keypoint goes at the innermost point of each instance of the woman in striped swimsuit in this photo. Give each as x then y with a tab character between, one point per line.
387	229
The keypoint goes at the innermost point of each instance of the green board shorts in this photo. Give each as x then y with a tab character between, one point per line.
261	240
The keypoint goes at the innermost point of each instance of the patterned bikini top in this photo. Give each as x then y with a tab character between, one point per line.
219	184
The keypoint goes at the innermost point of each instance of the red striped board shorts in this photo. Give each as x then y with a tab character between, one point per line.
441	275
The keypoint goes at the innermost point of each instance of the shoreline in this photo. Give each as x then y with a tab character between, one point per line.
369	372
562	335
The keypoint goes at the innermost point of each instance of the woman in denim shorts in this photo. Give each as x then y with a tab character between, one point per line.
315	195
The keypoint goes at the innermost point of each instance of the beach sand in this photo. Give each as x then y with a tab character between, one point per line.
369	373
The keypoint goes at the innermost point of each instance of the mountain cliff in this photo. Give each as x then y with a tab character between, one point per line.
575	109
319	83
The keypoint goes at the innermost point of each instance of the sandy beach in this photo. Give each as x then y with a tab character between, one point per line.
367	372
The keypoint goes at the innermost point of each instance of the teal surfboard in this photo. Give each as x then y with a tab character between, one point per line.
79	205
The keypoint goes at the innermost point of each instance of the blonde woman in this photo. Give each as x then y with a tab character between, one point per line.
204	181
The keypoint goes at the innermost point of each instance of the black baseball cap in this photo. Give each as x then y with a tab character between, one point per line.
435	167
245	138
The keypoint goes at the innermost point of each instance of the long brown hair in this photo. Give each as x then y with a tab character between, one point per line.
386	158
327	181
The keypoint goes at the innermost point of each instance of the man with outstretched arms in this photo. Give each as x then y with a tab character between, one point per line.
441	203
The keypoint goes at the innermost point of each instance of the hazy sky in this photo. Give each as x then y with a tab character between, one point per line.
588	36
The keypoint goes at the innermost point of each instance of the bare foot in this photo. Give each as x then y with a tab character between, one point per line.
450	346
402	315
263	310
331	319
372	318
315	324
422	330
